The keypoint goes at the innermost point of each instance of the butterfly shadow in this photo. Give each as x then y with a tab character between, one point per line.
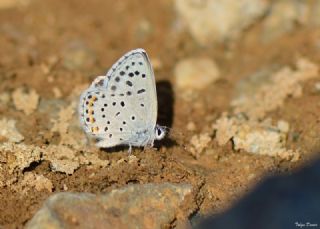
165	110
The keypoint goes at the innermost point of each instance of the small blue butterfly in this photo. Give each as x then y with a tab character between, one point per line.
121	107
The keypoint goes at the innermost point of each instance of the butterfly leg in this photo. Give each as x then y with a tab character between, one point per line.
130	150
87	141
149	146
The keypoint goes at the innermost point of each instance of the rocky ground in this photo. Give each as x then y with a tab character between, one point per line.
238	85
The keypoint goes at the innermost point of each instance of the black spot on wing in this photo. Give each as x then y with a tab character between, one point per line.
141	91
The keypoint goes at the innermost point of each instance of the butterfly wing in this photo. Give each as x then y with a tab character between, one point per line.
118	106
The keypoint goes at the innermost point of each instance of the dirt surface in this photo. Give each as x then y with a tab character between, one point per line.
52	50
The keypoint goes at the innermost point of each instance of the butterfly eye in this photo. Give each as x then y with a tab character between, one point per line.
160	132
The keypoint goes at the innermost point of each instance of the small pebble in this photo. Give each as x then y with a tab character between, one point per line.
156	63
317	86
4	98
9	131
25	100
56	92
283	126
132	159
50	79
143	30
219	20
196	73
6	4
65	187
78	55
191	126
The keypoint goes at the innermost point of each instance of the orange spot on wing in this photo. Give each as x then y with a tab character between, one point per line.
94	129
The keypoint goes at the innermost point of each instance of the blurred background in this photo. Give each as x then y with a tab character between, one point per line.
237	81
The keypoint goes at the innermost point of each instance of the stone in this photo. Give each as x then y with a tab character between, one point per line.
225	129
62	158
77	55
199	143
219	20
4	99
258	137
132	159
25	100
156	63
283	83
65	159
191	126
261	141
135	206
143	30
5	4
284	17
247	126
57	92
20	156
38	182
283	126
250	84
314	14
9	131
196	73
290	201
317	86
68	127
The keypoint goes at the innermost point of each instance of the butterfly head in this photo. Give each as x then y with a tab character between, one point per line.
160	132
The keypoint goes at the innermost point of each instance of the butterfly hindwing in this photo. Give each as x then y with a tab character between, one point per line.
122	103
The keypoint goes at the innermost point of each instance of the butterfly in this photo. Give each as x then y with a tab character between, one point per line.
121	107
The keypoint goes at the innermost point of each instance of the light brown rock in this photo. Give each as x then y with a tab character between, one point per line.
284	16
5	4
258	137
199	143
77	55
62	158
196	73
136	206
219	20
25	100
20	156
284	83
9	131
37	182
